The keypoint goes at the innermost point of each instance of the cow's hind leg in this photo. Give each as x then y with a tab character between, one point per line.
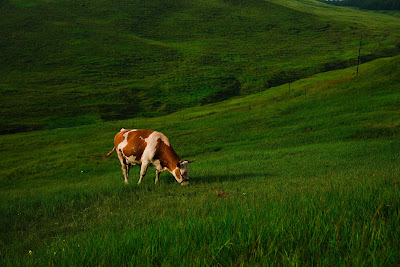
124	166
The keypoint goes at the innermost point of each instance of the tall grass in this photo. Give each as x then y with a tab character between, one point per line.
297	221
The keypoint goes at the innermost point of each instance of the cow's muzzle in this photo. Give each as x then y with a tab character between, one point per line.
185	182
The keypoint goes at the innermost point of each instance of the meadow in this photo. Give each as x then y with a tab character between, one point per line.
308	176
67	63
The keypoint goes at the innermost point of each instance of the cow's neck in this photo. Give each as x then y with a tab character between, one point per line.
169	159
172	165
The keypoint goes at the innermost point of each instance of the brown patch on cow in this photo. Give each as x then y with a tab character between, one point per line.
136	143
119	138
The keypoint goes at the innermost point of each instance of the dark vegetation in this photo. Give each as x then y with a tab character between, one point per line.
367	4
69	63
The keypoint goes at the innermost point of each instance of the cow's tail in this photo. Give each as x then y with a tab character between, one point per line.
109	153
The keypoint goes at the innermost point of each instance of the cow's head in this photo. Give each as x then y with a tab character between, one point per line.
183	167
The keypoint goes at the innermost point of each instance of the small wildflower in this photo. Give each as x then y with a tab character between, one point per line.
55	253
30	252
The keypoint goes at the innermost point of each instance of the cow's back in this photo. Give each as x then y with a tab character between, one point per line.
131	143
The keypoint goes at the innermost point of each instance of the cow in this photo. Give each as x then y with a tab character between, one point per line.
147	147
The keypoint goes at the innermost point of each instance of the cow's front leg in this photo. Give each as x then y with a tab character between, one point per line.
157	176
143	170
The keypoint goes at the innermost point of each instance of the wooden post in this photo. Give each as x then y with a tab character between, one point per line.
359	52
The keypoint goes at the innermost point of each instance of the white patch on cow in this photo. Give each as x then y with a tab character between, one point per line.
124	143
150	150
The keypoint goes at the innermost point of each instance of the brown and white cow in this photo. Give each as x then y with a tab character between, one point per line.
147	147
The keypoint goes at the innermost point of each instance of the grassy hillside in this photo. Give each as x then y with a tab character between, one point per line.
305	177
368	4
67	63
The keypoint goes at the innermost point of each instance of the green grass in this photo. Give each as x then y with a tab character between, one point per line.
117	60
310	176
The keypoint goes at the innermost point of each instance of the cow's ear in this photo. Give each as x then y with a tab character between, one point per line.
190	161
178	165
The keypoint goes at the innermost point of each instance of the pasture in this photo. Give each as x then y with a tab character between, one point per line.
306	177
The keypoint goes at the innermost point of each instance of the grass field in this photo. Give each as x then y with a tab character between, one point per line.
67	63
306	177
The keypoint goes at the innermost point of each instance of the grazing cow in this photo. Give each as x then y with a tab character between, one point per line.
145	147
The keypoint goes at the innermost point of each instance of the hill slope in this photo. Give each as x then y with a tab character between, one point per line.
66	63
305	177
